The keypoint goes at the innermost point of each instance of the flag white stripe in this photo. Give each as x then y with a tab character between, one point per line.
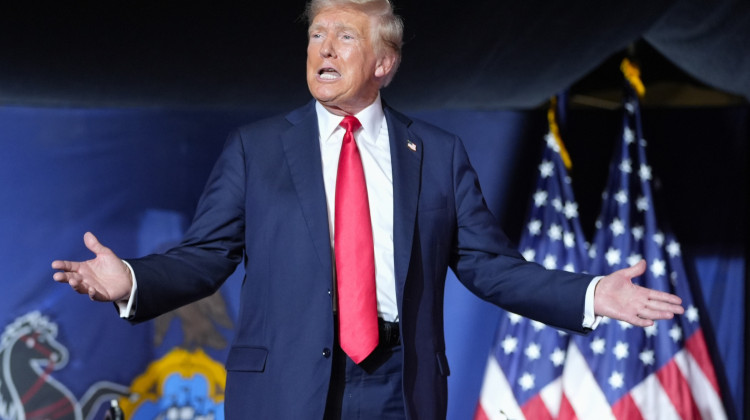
552	396
496	397
706	399
581	389
653	401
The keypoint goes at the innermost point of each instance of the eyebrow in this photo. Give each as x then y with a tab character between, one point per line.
338	26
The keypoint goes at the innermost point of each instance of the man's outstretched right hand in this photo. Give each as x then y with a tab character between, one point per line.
106	278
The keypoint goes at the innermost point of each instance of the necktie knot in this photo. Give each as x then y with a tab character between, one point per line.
350	123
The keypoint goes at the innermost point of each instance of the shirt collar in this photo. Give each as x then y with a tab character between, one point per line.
371	118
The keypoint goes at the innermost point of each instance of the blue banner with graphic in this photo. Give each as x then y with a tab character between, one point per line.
132	177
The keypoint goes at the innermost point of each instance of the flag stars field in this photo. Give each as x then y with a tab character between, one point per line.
546	169
616	380
533	351
637	232
647	357
526	381
628	135
617	227
598	345
550	262
624	325
555	232
557	357
642	204
675	333
644	173
621	197
612	256
509	344
621	350
540	198
569	239
626	166
658	268
535	227
691	313
570	210
673	249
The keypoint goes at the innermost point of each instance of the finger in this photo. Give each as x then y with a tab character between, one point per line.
65	265
78	285
93	244
663	307
657	296
60	277
641	321
655	314
636	269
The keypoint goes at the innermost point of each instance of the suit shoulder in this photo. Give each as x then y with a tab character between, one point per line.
425	130
272	124
431	131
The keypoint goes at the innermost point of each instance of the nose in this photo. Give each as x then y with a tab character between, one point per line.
327	49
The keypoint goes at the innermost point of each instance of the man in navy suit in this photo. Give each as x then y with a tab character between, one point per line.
270	202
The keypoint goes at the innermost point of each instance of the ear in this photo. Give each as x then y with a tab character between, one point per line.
384	65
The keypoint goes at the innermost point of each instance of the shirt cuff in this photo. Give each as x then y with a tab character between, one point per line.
590	320
126	305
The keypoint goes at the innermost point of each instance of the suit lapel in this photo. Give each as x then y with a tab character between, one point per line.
406	161
302	150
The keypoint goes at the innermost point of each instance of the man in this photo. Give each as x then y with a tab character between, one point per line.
273	200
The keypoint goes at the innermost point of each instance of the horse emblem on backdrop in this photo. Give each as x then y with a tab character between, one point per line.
29	355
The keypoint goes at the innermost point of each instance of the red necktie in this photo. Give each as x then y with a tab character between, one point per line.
355	256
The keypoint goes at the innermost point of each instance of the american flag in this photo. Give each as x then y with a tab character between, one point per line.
523	373
624	372
618	371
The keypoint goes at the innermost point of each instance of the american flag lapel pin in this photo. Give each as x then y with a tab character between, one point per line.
411	145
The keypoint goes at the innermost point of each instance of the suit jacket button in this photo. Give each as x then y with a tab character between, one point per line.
326	352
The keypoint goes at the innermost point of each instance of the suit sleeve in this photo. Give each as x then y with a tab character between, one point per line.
489	265
211	249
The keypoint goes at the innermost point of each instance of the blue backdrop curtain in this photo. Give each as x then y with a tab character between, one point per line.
133	176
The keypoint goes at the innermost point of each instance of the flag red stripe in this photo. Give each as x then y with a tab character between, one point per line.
536	409
696	346
480	414
626	409
678	390
566	410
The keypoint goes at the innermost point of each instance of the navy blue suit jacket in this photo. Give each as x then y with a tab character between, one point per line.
265	204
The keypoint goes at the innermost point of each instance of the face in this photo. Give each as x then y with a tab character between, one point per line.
344	73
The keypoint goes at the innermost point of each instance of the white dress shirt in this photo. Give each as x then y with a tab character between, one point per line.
374	148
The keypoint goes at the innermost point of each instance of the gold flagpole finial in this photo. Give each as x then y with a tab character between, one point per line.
633	76
555	131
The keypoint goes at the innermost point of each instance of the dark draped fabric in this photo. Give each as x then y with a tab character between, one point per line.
484	54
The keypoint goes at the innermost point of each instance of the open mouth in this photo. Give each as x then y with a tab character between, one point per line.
328	73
